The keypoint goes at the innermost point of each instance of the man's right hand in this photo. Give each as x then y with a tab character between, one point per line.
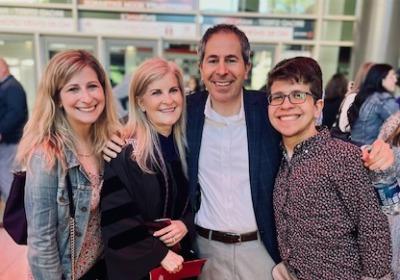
172	262
113	148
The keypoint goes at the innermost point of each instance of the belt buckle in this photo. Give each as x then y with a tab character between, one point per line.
233	235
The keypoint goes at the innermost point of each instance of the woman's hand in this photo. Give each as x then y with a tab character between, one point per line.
173	233
172	262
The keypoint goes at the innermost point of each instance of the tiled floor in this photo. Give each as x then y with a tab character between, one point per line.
13	260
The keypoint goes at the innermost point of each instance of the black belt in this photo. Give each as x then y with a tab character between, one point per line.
226	237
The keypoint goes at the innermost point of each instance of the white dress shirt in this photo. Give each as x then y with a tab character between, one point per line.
226	203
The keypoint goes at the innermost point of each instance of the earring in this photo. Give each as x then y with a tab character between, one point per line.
143	109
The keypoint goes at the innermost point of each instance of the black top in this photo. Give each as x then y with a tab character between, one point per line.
168	148
132	198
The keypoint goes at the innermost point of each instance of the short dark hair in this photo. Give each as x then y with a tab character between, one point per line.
304	70
226	28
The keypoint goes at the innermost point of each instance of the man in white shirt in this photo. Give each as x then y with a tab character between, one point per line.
233	158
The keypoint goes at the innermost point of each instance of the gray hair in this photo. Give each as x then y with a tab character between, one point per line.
226	28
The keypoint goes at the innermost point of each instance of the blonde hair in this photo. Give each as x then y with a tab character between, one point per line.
48	129
147	151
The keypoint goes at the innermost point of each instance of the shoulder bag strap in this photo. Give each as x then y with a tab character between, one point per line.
71	225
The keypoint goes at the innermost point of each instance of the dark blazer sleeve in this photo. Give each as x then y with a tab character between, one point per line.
16	111
130	250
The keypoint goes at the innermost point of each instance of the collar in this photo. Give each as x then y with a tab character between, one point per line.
213	116
71	159
307	145
5	78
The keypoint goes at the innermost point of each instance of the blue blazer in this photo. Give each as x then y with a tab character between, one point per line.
264	159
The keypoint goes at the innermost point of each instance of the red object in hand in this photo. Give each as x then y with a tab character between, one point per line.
189	269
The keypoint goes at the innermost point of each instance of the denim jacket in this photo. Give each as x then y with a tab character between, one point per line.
47	213
375	110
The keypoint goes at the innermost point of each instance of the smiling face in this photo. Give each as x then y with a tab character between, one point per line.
163	103
82	99
389	82
223	69
296	122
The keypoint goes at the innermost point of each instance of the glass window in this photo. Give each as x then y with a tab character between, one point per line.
18	51
185	55
122	59
288	6
340	7
337	30
290	51
334	59
54	45
262	60
261	6
38	1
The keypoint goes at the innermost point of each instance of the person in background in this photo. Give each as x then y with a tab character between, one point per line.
13	116
72	119
342	121
373	104
328	218
193	84
335	91
148	181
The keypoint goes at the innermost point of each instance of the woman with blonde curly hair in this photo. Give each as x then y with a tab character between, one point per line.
73	117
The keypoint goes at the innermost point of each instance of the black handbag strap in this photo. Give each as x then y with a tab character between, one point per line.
70	197
71	226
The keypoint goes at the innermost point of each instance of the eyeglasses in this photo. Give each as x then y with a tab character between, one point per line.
295	97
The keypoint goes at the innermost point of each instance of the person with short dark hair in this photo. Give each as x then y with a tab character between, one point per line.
328	219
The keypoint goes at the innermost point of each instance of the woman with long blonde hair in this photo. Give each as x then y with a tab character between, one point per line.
147	180
73	117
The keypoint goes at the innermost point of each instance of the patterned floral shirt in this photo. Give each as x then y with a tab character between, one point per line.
92	246
328	219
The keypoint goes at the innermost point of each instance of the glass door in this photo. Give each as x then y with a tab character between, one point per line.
185	55
53	45
122	59
262	59
18	51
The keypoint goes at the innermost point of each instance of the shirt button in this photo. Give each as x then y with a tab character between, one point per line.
78	234
83	209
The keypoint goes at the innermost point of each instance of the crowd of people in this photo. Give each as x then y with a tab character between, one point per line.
244	179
